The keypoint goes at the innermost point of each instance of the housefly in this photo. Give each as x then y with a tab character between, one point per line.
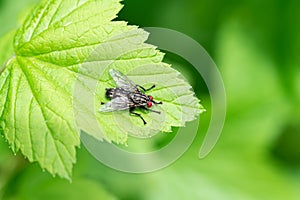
127	95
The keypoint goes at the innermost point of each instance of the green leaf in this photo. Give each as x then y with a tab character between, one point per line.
63	47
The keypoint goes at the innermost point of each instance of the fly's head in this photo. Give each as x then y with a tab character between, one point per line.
150	101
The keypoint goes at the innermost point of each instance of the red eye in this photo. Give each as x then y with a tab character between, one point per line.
149	104
151	98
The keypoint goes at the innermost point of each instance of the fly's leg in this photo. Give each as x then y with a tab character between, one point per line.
131	110
145	90
157	102
144	108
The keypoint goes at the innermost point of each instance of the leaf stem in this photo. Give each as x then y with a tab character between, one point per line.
2	68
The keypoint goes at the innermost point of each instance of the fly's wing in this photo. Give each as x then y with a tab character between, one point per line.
118	103
122	81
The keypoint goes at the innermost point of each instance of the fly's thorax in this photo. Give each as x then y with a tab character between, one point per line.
139	98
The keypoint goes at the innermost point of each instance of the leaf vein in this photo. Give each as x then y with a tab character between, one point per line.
29	126
83	46
40	18
7	81
43	114
54	14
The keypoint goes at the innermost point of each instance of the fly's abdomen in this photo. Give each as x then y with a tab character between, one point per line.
115	92
109	92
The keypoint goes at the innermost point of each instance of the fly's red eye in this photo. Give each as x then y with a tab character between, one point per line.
149	104
151	98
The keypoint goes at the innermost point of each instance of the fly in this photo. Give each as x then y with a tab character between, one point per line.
127	95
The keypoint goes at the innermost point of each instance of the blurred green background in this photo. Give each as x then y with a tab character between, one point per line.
256	46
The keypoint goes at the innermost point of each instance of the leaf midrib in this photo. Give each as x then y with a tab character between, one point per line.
74	47
44	117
